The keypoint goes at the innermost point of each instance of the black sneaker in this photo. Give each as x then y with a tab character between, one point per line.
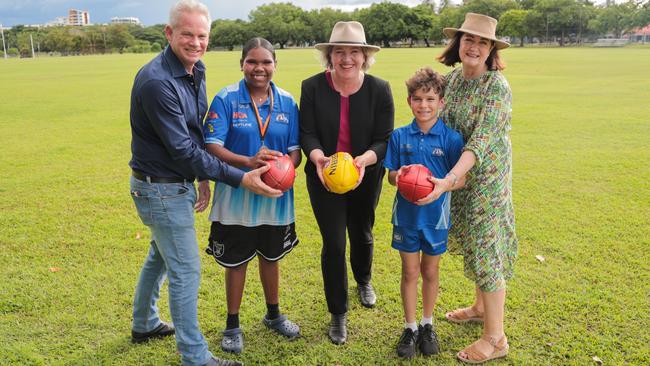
161	331
428	340
407	342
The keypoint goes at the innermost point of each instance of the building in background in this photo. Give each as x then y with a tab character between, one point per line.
78	17
640	34
59	21
126	20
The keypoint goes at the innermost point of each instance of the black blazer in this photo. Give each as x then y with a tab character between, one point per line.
372	115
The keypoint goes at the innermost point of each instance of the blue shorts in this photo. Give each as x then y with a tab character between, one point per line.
428	240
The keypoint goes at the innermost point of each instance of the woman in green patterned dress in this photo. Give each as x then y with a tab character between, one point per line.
478	105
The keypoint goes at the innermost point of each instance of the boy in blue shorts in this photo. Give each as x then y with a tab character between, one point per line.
422	226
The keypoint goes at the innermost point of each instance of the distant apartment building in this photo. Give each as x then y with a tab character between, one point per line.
125	20
59	21
78	17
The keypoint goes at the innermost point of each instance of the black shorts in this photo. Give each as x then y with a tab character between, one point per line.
234	245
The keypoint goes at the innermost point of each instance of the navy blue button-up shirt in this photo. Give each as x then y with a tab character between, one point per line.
167	109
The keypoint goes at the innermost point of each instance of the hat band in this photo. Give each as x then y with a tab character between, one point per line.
349	42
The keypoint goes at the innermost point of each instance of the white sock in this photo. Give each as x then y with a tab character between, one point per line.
413	326
426	321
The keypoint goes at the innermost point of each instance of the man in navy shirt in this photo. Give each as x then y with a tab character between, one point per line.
168	104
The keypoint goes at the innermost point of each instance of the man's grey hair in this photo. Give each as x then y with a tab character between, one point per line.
187	6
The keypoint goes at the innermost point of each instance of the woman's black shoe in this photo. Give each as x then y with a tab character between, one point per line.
367	295
338	331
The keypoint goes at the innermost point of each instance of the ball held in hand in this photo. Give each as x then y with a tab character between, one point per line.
414	184
341	175
281	175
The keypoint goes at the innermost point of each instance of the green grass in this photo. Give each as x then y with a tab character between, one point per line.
580	137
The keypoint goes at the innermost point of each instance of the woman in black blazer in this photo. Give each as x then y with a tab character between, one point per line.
344	109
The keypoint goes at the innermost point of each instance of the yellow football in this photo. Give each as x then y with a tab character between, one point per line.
341	174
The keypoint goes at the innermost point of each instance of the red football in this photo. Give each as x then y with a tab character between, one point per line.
413	183
281	174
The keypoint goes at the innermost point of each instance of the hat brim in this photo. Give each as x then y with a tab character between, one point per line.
451	32
370	47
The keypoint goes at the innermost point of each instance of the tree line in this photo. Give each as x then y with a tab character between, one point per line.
386	24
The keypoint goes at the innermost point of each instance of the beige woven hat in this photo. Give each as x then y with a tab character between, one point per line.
348	34
478	25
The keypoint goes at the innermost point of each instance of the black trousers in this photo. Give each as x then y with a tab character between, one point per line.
353	212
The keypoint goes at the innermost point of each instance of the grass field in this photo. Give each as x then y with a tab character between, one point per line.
70	256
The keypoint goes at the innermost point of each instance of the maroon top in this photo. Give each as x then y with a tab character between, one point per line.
343	143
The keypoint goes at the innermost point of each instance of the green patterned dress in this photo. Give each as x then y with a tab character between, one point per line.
483	229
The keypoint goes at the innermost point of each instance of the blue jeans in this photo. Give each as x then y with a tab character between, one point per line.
168	210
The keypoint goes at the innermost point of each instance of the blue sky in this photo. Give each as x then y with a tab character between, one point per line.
14	12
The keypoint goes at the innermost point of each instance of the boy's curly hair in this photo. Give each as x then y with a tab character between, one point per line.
427	79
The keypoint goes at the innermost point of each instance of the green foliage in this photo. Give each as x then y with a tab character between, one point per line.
13	52
493	8
421	22
513	23
119	38
615	18
385	22
321	21
152	34
59	39
156	47
450	16
70	255
229	33
140	46
279	23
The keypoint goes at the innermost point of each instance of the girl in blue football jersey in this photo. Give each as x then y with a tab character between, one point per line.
248	124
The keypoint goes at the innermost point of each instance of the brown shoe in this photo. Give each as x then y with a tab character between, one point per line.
472	355
464	315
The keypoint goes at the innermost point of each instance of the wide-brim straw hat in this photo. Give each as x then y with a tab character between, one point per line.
478	25
348	34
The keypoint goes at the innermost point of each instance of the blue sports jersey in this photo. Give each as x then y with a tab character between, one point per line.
231	122
438	150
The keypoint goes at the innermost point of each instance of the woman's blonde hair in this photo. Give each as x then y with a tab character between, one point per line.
325	57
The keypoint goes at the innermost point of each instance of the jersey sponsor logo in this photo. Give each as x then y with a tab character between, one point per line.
213	115
397	237
281	117
239	115
210	128
406	149
242	124
438	152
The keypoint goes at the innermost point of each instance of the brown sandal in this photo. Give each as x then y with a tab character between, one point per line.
473	355
464	315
